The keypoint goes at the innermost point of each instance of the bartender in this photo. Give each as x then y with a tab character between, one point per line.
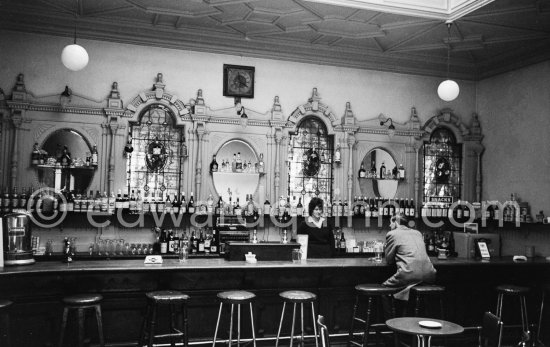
320	236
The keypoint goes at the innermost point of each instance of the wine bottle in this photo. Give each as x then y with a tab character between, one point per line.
214	165
183	204
300	207
362	171
382	171
191	205
163	242
261	164
94	159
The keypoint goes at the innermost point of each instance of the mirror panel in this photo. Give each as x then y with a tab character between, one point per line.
238	183
78	175
380	181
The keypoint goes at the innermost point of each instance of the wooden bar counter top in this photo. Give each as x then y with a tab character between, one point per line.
37	289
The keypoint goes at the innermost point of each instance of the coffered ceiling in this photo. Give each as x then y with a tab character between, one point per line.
409	36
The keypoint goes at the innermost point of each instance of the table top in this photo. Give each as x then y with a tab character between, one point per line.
410	325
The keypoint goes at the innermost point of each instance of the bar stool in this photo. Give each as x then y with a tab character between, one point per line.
173	299
520	292
373	293
297	297
545	289
81	302
235	297
422	292
4	312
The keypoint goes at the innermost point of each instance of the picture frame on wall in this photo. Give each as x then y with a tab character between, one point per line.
238	81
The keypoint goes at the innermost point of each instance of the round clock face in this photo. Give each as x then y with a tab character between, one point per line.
239	81
442	170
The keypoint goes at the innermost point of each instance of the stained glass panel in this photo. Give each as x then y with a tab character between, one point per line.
153	168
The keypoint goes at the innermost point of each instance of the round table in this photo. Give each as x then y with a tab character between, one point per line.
410	325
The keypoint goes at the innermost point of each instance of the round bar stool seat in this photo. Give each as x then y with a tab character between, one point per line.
373	292
235	297
296	297
81	302
4	313
422	292
520	292
173	299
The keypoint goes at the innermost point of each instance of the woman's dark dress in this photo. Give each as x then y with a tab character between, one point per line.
320	241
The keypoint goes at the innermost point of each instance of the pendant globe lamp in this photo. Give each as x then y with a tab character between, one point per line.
74	57
448	90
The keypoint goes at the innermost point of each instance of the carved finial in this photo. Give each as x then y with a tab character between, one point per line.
276	105
414	120
159	77
113	101
200	99
348	118
159	85
20	83
314	96
114	91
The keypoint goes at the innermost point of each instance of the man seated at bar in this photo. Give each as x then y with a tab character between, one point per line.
405	248
320	236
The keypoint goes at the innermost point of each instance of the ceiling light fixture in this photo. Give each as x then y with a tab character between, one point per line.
448	90
391	128
75	57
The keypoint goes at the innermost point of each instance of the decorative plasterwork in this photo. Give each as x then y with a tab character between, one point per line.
440	9
448	119
314	106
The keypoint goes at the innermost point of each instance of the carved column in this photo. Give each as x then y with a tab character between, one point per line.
103	166
350	142
114	126
277	179
478	177
17	121
198	169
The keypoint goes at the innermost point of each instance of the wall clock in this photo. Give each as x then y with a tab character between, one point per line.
238	81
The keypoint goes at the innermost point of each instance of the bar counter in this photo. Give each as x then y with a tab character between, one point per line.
37	289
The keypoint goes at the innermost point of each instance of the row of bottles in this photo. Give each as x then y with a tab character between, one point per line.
458	212
203	242
382	173
62	157
438	242
238	165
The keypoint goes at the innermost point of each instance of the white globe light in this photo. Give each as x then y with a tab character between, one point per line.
448	90
74	57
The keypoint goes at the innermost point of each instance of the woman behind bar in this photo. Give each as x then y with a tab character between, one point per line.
320	236
405	248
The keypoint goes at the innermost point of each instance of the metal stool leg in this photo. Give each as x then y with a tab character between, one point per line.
352	325
314	324
231	325
152	326
280	325
540	314
142	334
252	323
302	324
80	327
171	309
99	325
185	336
367	321
238	325
63	326
217	325
500	299
293	322
524	318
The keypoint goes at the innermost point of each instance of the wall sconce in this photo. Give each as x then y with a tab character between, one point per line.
391	128
240	111
74	56
65	97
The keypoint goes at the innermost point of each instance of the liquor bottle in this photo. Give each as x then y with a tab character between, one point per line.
168	204
394	173
207	242
183	147
97	201
224	166
191	205
163	242
234	163
23	200
139	202
133	202
345	208
294	207
368	209
183	204
214	242
194	242
401	171
382	171
210	204
261	164
66	157
245	166
214	165
238	163
118	201
62	201
171	242
466	212
201	242
237	211
14	200
158	202
146	203
125	202
250	208
94	159
372	172
35	154
362	171
412	209
342	243
300	207
112	199
219	206
128	148
104	207
267	207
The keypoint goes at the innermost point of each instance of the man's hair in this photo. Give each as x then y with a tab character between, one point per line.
400	219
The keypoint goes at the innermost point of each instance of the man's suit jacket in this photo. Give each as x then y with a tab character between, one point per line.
405	248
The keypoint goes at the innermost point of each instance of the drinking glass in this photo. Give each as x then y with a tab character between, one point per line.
183	254
296	255
378	252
